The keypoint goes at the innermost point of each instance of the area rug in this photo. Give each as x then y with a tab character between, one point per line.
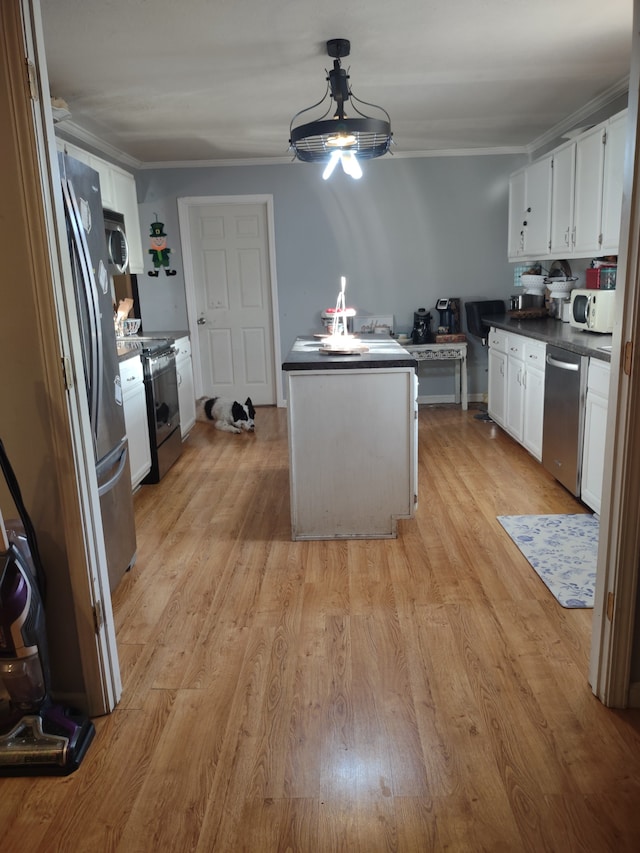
563	551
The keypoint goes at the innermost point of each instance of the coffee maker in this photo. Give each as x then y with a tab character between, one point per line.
449	310
421	333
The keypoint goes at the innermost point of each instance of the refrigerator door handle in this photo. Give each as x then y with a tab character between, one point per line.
118	457
91	295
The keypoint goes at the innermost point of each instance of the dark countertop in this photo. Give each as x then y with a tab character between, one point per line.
174	334
552	331
383	352
128	348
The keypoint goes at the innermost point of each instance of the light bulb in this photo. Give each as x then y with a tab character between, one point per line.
333	162
350	165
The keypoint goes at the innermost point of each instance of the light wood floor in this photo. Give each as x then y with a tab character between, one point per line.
419	694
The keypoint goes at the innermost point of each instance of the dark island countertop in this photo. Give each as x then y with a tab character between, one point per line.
552	331
383	351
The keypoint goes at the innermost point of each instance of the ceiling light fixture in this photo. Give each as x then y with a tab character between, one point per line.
340	138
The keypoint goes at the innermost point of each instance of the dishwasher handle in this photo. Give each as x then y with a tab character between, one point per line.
563	365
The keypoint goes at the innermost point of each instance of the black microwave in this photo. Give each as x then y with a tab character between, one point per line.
117	246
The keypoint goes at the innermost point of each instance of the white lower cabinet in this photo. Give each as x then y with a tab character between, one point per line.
534	365
595	430
186	392
497	406
135	417
516	387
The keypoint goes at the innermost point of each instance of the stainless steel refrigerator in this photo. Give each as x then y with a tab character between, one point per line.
94	302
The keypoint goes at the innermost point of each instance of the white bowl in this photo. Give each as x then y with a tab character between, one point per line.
561	285
532	280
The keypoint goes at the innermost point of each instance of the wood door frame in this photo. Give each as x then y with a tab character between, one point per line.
76	550
190	286
615	618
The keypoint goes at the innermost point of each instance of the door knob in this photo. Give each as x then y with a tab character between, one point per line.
201	321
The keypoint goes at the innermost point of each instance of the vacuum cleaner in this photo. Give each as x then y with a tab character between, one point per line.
38	737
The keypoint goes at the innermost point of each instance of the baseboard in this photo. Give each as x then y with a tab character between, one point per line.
634	695
435	399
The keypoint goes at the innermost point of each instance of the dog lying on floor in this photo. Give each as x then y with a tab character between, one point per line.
227	415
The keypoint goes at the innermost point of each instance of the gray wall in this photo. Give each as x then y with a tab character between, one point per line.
411	231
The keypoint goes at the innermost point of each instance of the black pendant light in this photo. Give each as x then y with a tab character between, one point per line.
341	137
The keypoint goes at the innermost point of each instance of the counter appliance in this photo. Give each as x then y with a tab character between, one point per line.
449	311
117	245
565	387
421	332
593	310
88	254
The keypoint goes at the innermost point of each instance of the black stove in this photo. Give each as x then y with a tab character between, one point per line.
161	391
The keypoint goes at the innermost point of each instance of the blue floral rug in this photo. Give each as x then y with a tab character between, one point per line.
562	549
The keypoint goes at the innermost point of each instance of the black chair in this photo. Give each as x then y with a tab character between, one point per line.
476	311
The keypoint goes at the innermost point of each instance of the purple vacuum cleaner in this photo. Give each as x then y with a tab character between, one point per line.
37	736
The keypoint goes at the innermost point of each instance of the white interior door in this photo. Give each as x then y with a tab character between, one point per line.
229	250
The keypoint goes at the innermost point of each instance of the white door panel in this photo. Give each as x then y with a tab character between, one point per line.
230	259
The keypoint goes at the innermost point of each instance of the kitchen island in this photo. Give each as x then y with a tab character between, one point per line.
352	421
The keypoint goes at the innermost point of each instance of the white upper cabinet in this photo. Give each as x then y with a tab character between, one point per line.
568	203
588	193
563	194
530	210
517	205
538	210
126	203
612	185
118	193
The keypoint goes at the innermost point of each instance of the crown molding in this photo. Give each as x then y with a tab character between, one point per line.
74	133
279	161
603	100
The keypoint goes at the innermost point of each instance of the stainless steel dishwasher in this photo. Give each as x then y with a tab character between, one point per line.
565	387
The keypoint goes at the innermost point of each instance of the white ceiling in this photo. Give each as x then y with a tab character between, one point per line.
183	80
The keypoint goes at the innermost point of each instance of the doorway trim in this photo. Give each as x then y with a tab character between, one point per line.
615	616
190	285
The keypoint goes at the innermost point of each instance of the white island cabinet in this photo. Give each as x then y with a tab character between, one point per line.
134	403
352	440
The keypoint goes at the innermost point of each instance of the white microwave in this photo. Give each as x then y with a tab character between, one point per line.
593	310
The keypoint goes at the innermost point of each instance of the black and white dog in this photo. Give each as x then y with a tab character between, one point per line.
227	415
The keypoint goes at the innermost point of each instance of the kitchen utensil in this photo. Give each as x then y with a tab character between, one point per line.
559	269
131	327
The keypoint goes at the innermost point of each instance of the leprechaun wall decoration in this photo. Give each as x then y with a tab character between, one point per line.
159	250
